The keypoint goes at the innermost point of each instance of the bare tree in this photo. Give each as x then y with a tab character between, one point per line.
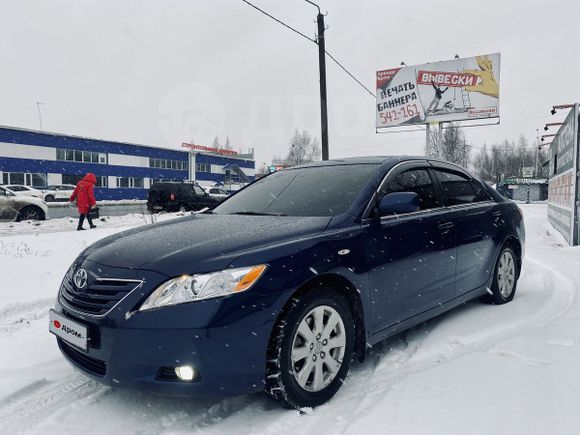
227	145
434	142
454	147
448	144
303	149
507	158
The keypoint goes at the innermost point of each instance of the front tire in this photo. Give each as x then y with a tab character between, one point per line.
30	212
310	349
505	277
49	198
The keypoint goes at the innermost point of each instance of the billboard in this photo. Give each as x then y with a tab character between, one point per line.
452	90
563	183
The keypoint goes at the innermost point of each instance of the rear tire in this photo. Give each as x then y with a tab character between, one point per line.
30	212
505	277
310	350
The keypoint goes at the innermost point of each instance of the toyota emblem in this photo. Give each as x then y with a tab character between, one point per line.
80	278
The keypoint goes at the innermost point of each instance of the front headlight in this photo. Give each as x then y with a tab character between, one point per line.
189	288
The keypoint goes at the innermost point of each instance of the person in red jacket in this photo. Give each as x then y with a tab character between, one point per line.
84	193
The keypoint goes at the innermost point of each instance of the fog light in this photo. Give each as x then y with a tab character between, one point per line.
185	373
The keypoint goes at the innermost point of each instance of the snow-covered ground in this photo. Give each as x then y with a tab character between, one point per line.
511	369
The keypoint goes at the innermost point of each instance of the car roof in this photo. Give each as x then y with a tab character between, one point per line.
387	161
361	160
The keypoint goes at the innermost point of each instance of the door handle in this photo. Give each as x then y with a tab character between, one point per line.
446	225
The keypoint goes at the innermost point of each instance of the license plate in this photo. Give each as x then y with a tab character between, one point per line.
70	331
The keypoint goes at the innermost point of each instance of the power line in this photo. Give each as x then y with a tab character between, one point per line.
279	21
314	41
350	74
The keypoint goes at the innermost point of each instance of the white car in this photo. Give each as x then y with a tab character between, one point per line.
21	207
58	192
21	190
217	192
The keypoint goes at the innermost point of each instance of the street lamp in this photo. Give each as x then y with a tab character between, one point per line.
560	106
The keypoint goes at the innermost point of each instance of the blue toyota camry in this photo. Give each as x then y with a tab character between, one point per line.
281	286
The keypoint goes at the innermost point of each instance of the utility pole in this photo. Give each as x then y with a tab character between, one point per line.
322	68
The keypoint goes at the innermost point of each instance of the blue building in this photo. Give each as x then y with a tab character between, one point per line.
123	170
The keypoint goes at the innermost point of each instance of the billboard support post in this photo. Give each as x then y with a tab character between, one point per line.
427	140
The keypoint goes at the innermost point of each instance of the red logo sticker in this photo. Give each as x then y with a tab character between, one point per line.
56	324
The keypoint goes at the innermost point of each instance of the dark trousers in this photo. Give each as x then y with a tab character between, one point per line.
82	220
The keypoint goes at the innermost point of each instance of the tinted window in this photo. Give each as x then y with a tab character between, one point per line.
460	189
2	192
418	181
17	188
313	191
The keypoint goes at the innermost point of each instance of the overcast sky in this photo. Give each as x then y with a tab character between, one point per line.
164	72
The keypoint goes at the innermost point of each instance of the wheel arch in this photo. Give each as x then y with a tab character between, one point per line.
343	286
513	242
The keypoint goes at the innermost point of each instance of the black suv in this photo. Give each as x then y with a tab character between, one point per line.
178	197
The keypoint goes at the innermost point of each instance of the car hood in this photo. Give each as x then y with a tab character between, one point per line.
199	243
27	199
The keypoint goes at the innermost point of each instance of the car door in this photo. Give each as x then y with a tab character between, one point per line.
61	193
474	214
410	257
202	198
7	206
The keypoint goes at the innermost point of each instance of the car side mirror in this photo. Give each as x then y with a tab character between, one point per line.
399	203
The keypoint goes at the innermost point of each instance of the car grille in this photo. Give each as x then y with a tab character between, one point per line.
91	365
99	297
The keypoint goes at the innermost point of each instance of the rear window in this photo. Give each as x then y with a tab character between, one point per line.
460	189
312	191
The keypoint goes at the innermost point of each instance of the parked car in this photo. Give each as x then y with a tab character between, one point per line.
178	197
20	189
21	207
217	192
58	192
282	285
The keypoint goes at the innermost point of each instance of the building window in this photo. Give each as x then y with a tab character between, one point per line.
74	179
179	165
35	179
80	156
38	180
130	182
203	167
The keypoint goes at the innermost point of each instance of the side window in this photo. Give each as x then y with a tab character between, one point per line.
418	181
460	189
2	192
198	190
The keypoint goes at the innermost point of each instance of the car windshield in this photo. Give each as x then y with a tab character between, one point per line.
310	191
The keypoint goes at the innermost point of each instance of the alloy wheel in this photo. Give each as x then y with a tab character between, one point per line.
318	348
30	214
506	274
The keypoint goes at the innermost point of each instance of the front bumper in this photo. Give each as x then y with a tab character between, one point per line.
225	340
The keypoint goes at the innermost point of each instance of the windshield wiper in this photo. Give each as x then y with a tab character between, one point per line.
255	213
